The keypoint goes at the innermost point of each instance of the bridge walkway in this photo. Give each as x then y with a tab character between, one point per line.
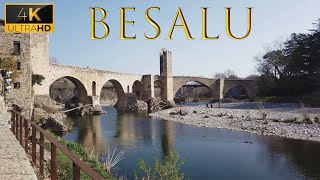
14	163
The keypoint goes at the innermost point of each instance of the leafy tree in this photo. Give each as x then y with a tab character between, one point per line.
37	79
293	69
10	64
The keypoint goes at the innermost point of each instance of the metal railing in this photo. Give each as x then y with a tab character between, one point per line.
20	128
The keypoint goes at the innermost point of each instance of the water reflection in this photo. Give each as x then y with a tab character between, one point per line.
167	138
303	156
128	128
88	132
209	153
134	126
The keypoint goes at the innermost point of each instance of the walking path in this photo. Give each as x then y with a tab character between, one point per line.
14	163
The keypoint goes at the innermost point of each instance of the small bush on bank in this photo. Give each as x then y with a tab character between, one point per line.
169	169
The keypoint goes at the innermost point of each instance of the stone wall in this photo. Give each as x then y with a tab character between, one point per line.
22	94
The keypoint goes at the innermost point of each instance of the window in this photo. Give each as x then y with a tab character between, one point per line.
16	47
16	85
18	65
94	87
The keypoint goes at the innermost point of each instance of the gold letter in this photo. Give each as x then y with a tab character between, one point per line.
204	26
123	22
153	23
184	25
93	23
228	27
34	14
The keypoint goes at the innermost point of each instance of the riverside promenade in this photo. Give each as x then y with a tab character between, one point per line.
14	163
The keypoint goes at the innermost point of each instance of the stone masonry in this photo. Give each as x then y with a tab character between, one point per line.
22	92
14	163
34	58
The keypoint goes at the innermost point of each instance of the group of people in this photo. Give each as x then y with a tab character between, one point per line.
210	105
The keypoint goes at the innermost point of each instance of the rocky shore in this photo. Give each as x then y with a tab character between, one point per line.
286	120
48	116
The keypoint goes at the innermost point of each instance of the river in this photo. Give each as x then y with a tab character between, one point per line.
209	153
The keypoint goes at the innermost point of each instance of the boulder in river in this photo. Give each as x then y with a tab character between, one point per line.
139	105
156	103
56	121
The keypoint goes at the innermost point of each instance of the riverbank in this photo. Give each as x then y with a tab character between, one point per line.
286	120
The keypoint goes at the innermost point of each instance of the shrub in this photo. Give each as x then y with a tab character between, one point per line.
169	169
37	79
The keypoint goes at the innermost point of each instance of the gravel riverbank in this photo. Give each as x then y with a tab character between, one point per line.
286	120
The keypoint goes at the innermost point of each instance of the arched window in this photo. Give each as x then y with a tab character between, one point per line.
94	88
18	65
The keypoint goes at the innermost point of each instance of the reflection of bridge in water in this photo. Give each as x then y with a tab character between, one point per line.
128	128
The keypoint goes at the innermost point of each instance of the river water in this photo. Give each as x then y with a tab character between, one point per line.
209	153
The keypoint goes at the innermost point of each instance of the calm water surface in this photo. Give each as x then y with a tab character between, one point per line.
209	153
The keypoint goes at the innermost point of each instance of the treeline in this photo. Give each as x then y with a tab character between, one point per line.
292	67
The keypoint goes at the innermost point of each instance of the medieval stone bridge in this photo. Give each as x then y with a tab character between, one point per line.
89	82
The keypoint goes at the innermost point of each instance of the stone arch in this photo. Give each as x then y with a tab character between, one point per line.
137	89
94	88
211	91
238	90
212	84
227	88
119	91
82	92
159	89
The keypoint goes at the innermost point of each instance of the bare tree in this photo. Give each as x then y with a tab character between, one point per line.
53	60
226	74
229	73
219	76
272	61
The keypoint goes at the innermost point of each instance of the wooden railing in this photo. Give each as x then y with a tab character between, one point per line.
20	128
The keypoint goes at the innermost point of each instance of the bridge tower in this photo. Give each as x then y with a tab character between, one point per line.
166	72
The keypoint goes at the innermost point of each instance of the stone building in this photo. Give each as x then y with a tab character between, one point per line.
26	48
166	72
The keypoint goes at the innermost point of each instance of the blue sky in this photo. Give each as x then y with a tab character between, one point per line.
272	19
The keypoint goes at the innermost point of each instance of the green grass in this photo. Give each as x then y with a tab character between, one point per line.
64	164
